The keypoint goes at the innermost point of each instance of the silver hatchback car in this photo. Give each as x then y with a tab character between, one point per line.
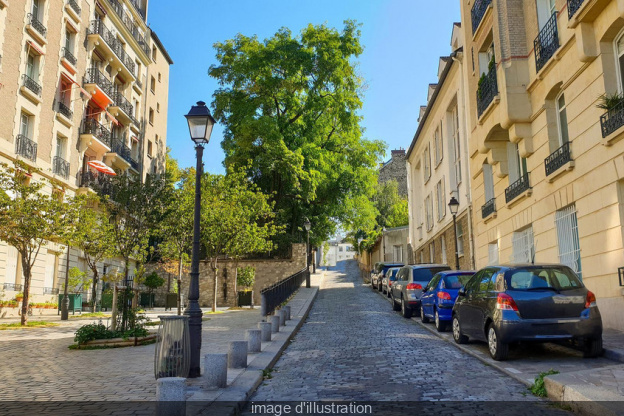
405	293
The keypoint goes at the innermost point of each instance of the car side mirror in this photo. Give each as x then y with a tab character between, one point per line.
424	289
461	292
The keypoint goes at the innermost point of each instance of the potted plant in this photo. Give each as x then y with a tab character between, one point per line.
19	297
608	102
245	279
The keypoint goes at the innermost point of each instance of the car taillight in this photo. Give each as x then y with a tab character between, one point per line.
590	300
444	295
506	302
389	282
413	286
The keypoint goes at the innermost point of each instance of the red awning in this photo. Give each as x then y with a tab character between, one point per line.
101	167
35	47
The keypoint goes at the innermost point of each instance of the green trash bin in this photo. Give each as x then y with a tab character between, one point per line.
144	300
171	301
75	302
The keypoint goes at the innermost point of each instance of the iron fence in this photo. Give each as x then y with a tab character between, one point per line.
13	286
60	167
573	6
478	11
93	127
488	89
94	76
63	109
546	43
558	158
612	119
50	291
26	147
517	188
276	294
488	208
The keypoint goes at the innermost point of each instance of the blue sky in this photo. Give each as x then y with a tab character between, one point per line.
402	39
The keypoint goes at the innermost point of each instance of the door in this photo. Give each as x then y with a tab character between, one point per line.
31	69
545	9
428	298
481	302
400	282
470	310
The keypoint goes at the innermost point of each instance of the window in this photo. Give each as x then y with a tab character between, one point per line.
69	37
25	125
437	143
460	239
429	211
136	108
567	236
456	146
432	252
397	253
149	148
158	107
340	249
153	84
159	77
427	164
37	9
619	50
545	9
493	253
151	116
61	146
154	52
441	199
488	182
522	246
422	257
485	58
32	66
562	120
444	259
517	165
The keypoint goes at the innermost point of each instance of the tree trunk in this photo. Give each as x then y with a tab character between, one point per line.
114	316
94	290
180	287
216	270
26	291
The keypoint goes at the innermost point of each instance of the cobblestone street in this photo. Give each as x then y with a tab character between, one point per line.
353	347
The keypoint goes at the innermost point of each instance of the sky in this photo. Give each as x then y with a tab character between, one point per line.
402	39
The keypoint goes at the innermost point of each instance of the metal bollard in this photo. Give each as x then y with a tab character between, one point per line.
287	309
282	316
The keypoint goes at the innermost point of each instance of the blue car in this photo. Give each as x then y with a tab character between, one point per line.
439	297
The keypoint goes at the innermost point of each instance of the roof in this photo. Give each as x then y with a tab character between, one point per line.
161	47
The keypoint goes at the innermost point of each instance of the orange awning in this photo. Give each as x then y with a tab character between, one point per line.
35	47
101	167
82	90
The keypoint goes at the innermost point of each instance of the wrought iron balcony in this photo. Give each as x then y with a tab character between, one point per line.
135	121
128	21
135	164
517	188
97	27
478	10
137	7
546	43
94	76
60	167
26	147
31	84
138	82
119	147
91	126
558	158
121	102
50	291
74	5
69	56
37	25
63	109
612	119
488	208
488	89
573	6
98	181
13	286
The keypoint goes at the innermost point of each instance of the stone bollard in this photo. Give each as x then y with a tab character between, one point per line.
287	309
282	316
215	370
237	357
265	327
254	339
171	396
275	322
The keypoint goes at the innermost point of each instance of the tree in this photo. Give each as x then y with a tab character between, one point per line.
245	277
152	282
291	105
77	280
391	207
29	218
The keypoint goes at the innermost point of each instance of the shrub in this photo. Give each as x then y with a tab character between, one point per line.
90	332
245	277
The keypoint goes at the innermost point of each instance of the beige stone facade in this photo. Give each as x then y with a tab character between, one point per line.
73	89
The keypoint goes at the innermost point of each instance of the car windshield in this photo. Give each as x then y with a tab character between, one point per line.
425	275
455	281
534	278
392	274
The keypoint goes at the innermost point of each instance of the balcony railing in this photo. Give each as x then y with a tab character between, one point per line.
488	208
98	181
74	5
135	164
558	158
121	102
98	27
573	6
612	119
69	56
478	10
13	287
138	82
31	84
488	89
60	167
26	147
137	7
91	126
94	76
517	188
129	23
63	109
546	43
118	146
50	291
37	25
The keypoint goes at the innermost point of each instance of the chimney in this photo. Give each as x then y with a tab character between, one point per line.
398	152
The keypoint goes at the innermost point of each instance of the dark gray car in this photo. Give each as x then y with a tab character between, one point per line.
405	293
505	304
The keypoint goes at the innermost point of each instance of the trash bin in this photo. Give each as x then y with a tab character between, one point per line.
172	353
171	301
245	298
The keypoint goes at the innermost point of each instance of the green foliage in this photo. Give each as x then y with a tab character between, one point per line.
325	251
399	214
77	280
610	101
91	332
245	277
538	388
153	281
290	104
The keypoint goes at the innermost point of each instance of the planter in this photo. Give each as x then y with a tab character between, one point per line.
245	298
118	342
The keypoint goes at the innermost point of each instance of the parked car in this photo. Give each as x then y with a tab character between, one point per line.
388	280
373	272
505	304
439	297
406	291
380	272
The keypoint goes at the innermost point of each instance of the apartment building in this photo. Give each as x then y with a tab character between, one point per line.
437	168
75	88
547	164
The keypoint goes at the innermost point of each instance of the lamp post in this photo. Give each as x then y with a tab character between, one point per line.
200	124
307	227
383	244
454	206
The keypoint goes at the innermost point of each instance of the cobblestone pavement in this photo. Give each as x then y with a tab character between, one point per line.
354	348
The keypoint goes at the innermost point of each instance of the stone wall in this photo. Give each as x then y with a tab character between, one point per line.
395	169
447	255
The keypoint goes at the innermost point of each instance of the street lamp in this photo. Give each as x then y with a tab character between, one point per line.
454	207
200	124
307	225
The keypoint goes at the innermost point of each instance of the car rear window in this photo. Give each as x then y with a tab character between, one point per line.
456	281
543	278
425	275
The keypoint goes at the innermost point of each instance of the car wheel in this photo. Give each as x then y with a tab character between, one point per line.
395	306
592	348
389	292
498	350
423	318
457	335
405	310
440	326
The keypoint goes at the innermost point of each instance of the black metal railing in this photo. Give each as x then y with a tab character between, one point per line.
91	126
26	147
517	188
121	102
478	10
135	121
69	56
138	8
98	27
50	291
118	146
94	76
573	6
74	5
128	21
558	158
488	208
98	181
60	167
138	82
63	109
37	25
488	89
546	43
276	294
612	119
13	286
31	84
